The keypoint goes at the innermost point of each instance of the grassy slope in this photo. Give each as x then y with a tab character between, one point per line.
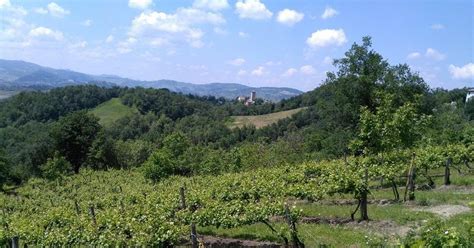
111	111
262	120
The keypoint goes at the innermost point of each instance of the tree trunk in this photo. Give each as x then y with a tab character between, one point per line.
194	241
395	191
447	172
411	195
363	198
410	187
15	242
363	206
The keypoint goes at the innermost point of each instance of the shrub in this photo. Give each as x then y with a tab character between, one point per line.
437	234
158	166
56	167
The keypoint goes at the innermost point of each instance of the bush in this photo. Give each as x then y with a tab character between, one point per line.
158	166
56	167
437	234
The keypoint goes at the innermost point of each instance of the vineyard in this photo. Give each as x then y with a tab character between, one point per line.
121	208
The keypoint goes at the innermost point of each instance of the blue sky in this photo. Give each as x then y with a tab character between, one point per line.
253	42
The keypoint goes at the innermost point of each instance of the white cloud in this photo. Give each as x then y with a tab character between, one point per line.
46	32
290	72
243	34
242	73
126	46
272	63
220	31
181	21
41	11
159	41
109	38
328	60
252	9
86	23
181	24
307	69
259	71
53	9
81	44
289	17
437	26
327	37
329	12
414	55
433	54
464	72
139	4
214	5
5	3
57	11
237	62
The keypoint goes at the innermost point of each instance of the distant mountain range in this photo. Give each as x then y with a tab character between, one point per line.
20	75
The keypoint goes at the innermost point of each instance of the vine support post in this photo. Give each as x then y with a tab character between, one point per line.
76	205
15	242
447	172
182	198
363	197
410	187
92	213
194	241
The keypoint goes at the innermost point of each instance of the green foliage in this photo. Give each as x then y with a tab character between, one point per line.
74	135
388	128
45	106
102	153
132	153
4	168
438	234
111	111
56	167
159	165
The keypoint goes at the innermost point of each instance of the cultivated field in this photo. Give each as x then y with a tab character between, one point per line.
260	121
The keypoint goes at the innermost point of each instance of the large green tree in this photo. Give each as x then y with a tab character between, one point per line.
74	135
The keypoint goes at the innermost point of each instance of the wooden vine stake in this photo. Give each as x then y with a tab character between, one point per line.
92	213
78	209
194	240
363	197
447	172
410	187
15	242
182	198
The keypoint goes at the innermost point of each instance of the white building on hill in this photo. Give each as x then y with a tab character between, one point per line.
470	94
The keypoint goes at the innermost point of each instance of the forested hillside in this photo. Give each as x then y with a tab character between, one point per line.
20	75
369	123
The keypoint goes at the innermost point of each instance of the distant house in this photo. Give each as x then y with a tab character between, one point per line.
248	100
251	100
470	94
241	98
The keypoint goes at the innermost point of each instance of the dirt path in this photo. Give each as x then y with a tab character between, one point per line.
221	242
446	210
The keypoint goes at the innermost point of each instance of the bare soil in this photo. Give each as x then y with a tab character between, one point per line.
221	242
446	210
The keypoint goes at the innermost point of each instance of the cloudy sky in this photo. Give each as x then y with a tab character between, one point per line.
254	42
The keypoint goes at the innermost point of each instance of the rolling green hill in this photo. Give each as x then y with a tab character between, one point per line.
260	121
111	111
